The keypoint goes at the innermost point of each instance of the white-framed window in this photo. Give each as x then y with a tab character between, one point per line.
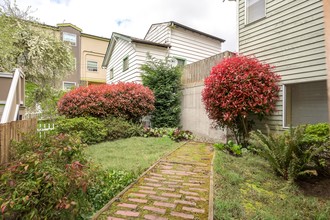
92	66
71	38
181	62
255	10
111	73
125	64
68	85
305	103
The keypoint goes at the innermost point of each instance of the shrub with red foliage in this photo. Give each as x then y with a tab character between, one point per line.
238	87
127	100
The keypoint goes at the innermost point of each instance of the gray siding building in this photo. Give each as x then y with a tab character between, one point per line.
290	36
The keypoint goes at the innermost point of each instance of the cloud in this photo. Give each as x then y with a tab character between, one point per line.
60	1
131	17
121	22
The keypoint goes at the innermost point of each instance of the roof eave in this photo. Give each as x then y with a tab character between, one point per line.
196	31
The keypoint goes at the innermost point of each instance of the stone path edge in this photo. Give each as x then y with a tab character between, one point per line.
106	206
211	195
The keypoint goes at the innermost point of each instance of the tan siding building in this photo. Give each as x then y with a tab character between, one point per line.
92	53
290	36
88	51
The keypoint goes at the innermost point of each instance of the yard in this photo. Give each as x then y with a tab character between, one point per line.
247	188
135	154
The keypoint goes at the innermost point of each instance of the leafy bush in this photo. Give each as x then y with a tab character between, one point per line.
287	153
231	147
317	134
165	81
118	128
237	88
50	178
109	184
45	180
174	133
180	135
90	130
130	101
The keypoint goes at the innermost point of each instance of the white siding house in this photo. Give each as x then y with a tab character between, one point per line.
290	36
168	39
126	54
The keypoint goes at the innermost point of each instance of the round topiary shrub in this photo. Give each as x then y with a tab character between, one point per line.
237	88
130	101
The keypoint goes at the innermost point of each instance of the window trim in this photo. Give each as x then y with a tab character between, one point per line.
74	84
111	76
285	100
182	59
97	69
246	14
70	42
284	106
124	59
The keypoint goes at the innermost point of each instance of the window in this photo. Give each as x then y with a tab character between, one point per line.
68	85
255	9
71	38
305	103
111	73
92	66
125	63
181	62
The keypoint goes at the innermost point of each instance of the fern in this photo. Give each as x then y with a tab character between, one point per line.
286	152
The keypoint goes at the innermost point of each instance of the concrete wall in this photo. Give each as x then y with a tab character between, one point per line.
193	114
194	117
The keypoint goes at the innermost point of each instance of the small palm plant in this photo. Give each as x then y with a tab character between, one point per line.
286	152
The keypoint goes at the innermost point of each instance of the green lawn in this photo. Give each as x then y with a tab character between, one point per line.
247	188
134	154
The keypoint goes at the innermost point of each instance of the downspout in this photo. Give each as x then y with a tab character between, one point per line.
237	25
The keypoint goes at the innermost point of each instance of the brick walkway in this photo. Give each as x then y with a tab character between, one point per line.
177	187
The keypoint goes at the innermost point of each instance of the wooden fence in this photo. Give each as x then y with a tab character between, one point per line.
13	131
196	72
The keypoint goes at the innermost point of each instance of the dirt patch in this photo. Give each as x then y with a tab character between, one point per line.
318	187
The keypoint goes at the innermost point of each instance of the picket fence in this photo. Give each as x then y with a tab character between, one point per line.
45	128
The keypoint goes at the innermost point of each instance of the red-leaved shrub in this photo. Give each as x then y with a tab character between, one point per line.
127	100
238	87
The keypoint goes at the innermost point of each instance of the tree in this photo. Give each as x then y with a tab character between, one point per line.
165	81
237	88
24	43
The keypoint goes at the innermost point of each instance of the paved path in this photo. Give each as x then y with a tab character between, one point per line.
177	187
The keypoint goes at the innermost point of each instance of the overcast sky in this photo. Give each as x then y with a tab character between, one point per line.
134	17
